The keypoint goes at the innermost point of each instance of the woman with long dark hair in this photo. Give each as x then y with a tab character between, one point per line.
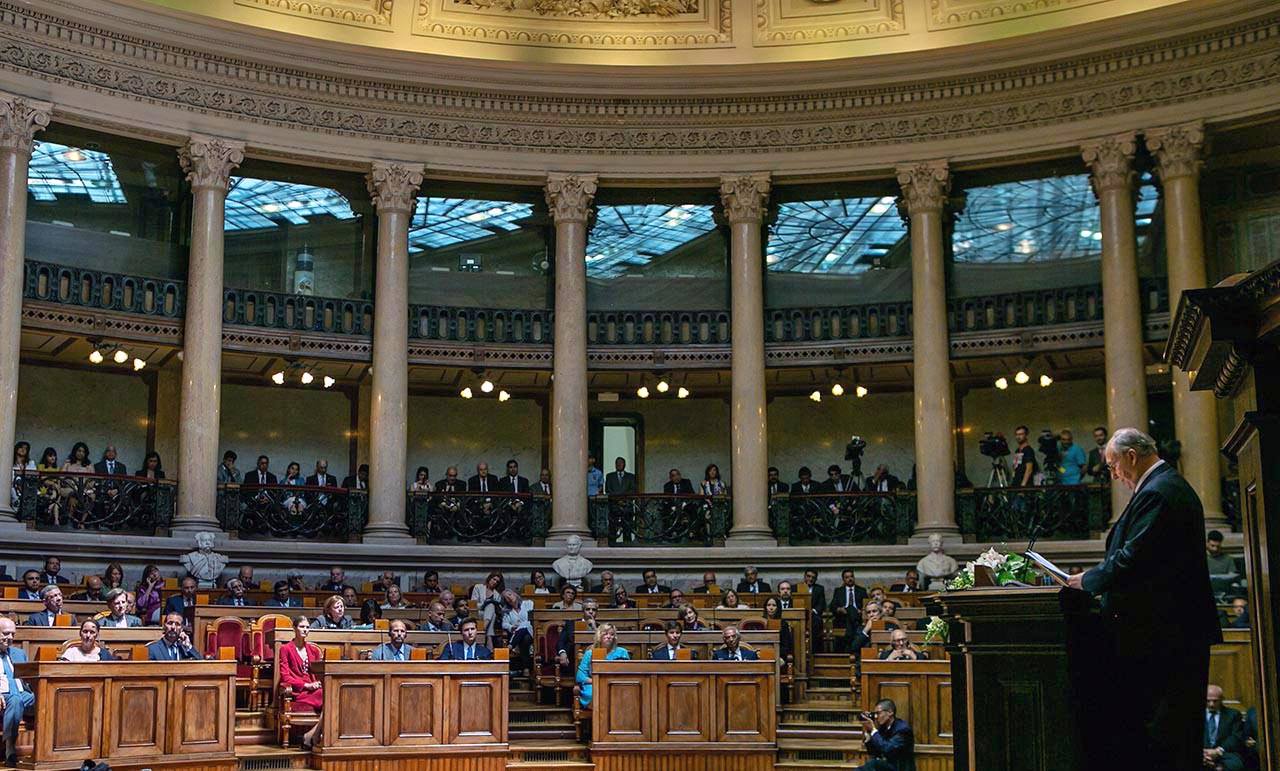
78	503
151	468
712	484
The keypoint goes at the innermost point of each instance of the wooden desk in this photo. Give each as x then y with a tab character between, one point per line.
133	713
119	641
207	614
704	715
1231	666
921	690
639	644
656	601
18	610
433	715
356	644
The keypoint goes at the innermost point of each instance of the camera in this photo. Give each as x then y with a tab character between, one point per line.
993	445
853	454
1049	447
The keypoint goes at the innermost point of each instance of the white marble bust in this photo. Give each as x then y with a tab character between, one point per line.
204	564
937	565
572	567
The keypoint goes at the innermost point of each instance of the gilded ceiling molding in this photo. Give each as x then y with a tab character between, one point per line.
209	161
1110	162
358	13
394	186
788	22
948	14
20	119
569	196
744	196
924	186
1177	149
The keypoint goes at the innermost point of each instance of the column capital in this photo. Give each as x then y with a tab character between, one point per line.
925	185
570	196
209	161
743	197
1177	149
20	119
1110	161
394	185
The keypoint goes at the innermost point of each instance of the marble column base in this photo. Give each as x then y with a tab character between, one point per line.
185	527
751	537
950	534
557	536
387	535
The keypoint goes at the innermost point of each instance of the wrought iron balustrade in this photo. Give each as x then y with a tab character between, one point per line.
64	500
500	518
856	517
1048	512
479	325
292	511
658	327
103	290
298	312
670	520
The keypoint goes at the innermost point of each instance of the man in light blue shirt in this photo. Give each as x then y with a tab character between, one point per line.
595	477
397	649
1073	460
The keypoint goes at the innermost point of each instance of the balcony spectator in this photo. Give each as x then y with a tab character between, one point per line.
53	571
690	620
712	482
151	467
235	595
595	477
293	475
568	599
677	484
421	481
359	480
393	598
620	481
888	739
1097	466
22	463
49	488
881	481
709	585
451	483
482	481
1072	468
294	503
51	596
1024	463
729	601
113	577
333	615
228	474
109	466
1224	734
651	585
118	616
910	582
776	486
92	592
184	601
1239	618
148	593
30	586
538	580
620	598
322	477
804	485
544	482
337	582
370	613
88	649
513	482
281	596
431	581
77	500
901	648
261	475
836	482
751	583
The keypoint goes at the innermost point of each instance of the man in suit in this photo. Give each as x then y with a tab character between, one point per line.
544	483
513	482
882	481
751	583
395	649
30	586
261	475
785	598
836	482
183	603
51	595
52	570
175	645
482	481
228	474
467	648
358	480
709	585
910	582
322	477
451	483
4	574
776	485
668	652
1224	734
1095	466
337	582
435	621
280	597
676	484
888	740
235	595
817	606
733	650
620	481
1154	578
805	484
651	585
109	465
564	645
92	590
16	696
118	616
846	607
606	583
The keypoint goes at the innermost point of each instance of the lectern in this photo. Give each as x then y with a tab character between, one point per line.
1025	692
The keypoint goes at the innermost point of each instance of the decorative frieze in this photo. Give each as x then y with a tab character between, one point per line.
356	13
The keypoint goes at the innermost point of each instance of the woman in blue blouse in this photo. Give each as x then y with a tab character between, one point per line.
606	638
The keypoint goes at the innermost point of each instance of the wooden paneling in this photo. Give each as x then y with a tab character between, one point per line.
624	708
664	761
684	708
476	709
455	762
415	710
1231	665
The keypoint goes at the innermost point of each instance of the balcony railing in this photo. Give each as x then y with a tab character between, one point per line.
104	291
668	520
301	313
479	325
1018	513
658	328
292	511
870	518
65	500
518	519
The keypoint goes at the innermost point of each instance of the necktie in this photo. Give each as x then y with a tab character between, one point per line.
239	603
262	478
467	656
400	654
8	673
484	485
173	652
848	597
1211	730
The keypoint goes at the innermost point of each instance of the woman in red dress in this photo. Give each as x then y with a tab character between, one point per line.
295	673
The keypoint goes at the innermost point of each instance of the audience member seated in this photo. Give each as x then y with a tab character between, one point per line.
52	571
370	612
515	620
651	585
184	601
1239	618
786	643
451	483
805	484
729	601
733	650
871	613
888	739
845	602
606	583
620	598
280	597
358	480
396	649
469	647
245	574
668	652
117	616
333	616
235	595
296	581
606	640
786	601
430	582
709	585
675	599
568	599
543	487
482	481
18	697
92	592
751	583
1222	567
902	649
564	645
486	597
1224	734
712	482
350	597
676	484
337	582
836	482
148	593
910	582
88	648
421	481
49	489
228	474
538	580
112	577
30	586
877	593
51	596
295	674
435	620
261	474
881	481
776	486
109	465
322	477
77	463
393	599
461	612
446	599
621	481
174	645
513	482
690	620
888	611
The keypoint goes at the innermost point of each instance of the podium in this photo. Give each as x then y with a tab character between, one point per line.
1025	693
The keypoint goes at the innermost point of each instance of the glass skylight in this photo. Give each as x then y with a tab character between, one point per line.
441	222
254	204
61	170
634	235
841	236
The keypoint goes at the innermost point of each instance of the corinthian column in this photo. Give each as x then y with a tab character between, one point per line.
1110	161
1195	414
569	196
208	162
20	119
924	192
394	188
744	198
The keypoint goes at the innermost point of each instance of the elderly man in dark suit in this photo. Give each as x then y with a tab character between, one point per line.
1224	734
733	650
109	466
620	481
52	597
1155	579
888	739
322	477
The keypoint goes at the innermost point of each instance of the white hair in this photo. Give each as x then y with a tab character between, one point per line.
1126	439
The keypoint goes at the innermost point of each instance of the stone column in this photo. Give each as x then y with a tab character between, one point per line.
744	199
924	193
208	162
168	411
1110	160
394	189
569	197
1195	414
20	119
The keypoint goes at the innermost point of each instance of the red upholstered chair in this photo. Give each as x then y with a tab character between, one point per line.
545	666
231	633
753	623
262	652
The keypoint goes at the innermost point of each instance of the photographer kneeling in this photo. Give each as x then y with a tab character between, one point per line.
888	740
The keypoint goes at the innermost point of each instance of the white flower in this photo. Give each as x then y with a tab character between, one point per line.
992	559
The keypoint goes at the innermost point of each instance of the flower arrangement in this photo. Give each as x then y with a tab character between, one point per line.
1008	567
936	630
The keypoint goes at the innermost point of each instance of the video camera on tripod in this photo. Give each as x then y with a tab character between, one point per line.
853	454
995	447
1048	442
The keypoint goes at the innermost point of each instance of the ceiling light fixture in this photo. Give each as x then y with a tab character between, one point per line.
278	378
466	393
96	357
121	356
328	381
663	386
837	390
503	396
138	364
307	377
1021	377
487	386
1045	381
682	393
861	391
642	392
816	396
1002	383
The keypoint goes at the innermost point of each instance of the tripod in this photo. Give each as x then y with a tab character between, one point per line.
999	473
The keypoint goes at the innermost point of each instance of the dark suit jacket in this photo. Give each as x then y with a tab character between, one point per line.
251	478
329	480
895	745
228	600
56	579
26	594
457	651
721	654
827	486
762	587
796	488
1155	576
818	598
659	589
839	597
40	619
624	486
175	605
671	488
294	602
101	468
142	473
159	651
779	487
473	484
870	484
447	485
329	586
537	488
505	485
1231	733
662	654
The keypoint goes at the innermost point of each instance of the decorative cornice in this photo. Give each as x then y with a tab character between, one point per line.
569	196
1110	161
20	119
744	197
924	186
1177	149
363	13
394	185
209	161
788	22
947	14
